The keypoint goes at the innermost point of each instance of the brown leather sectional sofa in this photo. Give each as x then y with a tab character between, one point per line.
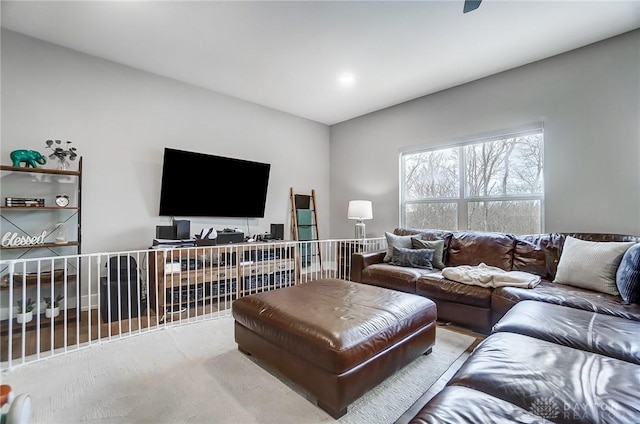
555	353
546	363
478	307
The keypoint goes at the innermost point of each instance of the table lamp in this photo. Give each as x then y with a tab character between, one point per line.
360	210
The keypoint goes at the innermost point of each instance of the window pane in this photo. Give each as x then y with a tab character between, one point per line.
517	217
431	175
511	166
443	216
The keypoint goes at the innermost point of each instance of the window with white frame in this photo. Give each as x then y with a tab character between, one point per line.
493	184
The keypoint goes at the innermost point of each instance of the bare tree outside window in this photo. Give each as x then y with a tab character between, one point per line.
432	175
442	216
503	186
517	217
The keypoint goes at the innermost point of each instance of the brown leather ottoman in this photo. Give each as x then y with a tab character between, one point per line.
334	338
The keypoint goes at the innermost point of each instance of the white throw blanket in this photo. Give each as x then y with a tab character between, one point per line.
489	276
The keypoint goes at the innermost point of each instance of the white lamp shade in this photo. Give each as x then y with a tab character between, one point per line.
360	209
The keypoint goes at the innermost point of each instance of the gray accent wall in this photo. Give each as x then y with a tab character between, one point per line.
588	100
121	119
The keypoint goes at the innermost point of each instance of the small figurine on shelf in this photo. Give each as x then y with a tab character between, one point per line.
31	158
62	154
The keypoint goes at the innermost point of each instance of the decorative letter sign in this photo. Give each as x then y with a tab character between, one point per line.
13	240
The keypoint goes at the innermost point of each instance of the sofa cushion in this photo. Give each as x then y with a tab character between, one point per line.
535	254
435	286
569	385
392	276
599	333
458	404
436	245
503	298
396	241
416	258
474	248
628	275
591	265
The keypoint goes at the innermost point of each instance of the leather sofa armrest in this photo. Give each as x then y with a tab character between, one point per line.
361	260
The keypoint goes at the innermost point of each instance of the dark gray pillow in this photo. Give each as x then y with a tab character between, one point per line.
438	250
628	275
416	258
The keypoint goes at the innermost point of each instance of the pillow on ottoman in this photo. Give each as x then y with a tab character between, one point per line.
591	265
397	241
628	275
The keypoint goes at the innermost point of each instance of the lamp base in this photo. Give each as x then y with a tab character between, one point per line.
361	232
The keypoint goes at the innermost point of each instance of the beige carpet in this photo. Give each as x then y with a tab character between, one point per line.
195	374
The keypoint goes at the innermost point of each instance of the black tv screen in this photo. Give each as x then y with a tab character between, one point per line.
198	184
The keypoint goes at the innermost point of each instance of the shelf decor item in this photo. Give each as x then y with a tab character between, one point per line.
24	202
32	277
25	311
62	200
53	306
31	158
64	156
10	239
60	238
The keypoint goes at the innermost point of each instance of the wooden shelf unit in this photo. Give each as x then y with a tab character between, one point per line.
77	189
42	183
39	208
41	170
51	245
193	277
32	281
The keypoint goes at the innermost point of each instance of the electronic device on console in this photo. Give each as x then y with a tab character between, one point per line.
226	237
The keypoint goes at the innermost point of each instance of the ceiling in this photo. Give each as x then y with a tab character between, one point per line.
290	55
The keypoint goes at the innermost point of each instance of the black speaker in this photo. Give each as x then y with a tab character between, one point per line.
229	237
277	231
182	229
167	232
119	290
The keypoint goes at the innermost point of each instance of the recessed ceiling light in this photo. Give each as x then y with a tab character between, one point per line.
346	78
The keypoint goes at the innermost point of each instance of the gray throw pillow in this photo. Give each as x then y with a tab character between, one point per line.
628	275
438	250
591	265
416	258
396	241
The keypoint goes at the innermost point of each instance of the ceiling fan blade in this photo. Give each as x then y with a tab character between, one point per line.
470	5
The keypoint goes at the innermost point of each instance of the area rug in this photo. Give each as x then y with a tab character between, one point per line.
194	373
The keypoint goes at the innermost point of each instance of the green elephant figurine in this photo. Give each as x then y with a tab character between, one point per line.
29	157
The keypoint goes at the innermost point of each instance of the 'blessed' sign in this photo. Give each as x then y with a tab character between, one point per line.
14	240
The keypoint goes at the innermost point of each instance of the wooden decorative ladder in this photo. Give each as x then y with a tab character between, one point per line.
304	220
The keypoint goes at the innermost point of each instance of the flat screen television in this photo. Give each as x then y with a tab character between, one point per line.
198	184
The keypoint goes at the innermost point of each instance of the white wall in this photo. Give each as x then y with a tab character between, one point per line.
120	119
588	100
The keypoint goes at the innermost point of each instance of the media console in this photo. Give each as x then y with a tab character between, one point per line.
199	280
